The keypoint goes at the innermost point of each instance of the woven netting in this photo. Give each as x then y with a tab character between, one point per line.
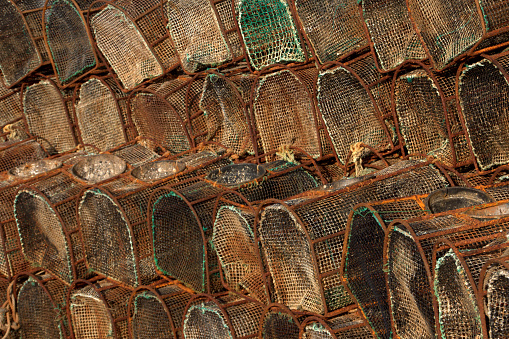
99	311
48	117
483	93
447	28
334	27
72	54
99	116
211	318
349	112
158	313
285	113
233	240
10	104
301	272
226	114
392	34
348	326
269	32
495	14
408	256
20	54
41	308
14	154
496	286
187	215
196	33
279	323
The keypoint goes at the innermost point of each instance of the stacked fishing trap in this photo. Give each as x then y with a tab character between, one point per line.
207	169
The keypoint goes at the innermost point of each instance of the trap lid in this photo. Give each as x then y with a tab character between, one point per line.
452	198
35	168
236	174
156	170
97	168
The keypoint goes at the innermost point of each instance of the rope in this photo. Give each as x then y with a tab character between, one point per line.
8	311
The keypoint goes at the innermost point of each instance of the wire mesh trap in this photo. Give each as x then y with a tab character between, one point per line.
447	29
41	307
483	109
348	326
284	111
187	214
302	239
408	256
392	34
279	322
24	49
98	310
16	153
226	316
334	28
157	312
132	38
48	116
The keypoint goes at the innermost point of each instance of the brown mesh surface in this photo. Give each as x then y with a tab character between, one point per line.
187	214
392	34
447	28
284	112
158	313
334	27
301	271
348	326
48	117
207	317
279	323
41	308
496	286
99	311
24	50
99	116
15	153
483	89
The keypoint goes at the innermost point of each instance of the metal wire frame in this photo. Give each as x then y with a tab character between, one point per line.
351	325
278	321
349	196
232	312
165	319
471	256
456	226
111	309
157	41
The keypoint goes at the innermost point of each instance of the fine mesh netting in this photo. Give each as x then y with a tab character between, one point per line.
72	54
349	112
99	116
290	258
279	324
483	93
159	313
334	27
196	33
48	117
99	311
233	240
41	308
10	103
14	154
496	284
19	55
269	32
187	215
447	28
285	114
223	317
392	34
226	114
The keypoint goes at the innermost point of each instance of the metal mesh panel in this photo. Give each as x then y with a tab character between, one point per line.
299	274
392	34
447	28
13	154
99	311
278	323
187	215
348	326
222	317
158	313
48	117
10	103
99	116
483	92
195	31
284	113
496	284
349	112
41	308
20	53
334	27
226	114
72	55
269	32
